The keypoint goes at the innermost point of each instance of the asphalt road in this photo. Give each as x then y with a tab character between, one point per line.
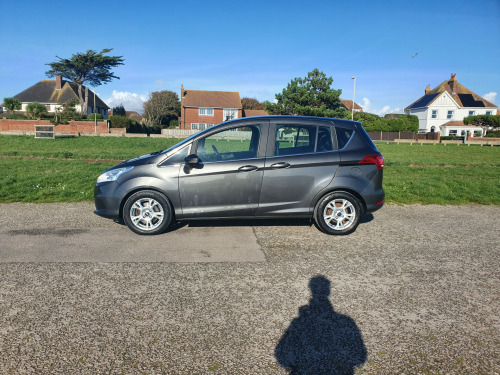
414	290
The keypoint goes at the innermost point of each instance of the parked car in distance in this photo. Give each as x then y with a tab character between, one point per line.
325	169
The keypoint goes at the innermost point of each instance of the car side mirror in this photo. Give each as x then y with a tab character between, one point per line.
193	161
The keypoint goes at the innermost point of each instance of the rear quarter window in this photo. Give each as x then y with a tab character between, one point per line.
343	136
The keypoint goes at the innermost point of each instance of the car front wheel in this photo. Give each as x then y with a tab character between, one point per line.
338	213
147	212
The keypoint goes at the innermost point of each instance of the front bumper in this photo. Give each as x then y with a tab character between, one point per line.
107	201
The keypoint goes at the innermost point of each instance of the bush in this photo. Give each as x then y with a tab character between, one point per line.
17	116
35	110
92	116
493	134
119	121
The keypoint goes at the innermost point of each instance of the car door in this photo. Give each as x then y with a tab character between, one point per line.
301	161
228	179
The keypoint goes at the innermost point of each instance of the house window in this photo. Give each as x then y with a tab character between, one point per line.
449	115
206	111
472	113
230	114
198	126
48	107
434	113
489	112
452	132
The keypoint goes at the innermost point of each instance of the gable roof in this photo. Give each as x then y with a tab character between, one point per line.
464	97
348	105
45	92
211	99
254	112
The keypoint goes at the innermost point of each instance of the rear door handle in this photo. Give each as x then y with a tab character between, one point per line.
248	168
280	165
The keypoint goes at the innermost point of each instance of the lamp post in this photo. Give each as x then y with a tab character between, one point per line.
95	114
353	95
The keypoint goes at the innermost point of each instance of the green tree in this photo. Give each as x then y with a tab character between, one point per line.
91	67
490	121
11	104
371	122
161	108
35	110
309	96
119	110
252	103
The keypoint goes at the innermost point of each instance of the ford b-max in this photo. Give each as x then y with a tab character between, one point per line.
325	169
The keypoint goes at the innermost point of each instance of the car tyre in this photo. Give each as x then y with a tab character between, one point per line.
147	212
338	213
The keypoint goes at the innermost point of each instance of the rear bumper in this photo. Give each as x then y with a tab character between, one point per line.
374	201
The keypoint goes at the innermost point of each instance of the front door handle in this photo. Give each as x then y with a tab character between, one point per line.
280	165
248	168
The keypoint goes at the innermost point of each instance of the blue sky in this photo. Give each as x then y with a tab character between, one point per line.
258	47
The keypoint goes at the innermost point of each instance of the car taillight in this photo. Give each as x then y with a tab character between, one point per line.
376	159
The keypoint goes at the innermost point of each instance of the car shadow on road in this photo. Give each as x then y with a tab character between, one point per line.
320	340
366	218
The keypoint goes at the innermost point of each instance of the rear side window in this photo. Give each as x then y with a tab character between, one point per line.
324	139
343	136
292	140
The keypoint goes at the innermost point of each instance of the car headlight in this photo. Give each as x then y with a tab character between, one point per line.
112	174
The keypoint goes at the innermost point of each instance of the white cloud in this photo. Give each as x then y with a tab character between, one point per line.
367	107
491	96
131	101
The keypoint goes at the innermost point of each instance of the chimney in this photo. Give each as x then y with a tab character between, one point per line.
452	81
58	82
428	90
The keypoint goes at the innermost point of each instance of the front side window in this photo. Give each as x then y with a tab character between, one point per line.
489	112
434	113
472	113
452	132
234	144
449	115
206	111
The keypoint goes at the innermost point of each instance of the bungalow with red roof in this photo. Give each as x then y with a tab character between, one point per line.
443	109
348	105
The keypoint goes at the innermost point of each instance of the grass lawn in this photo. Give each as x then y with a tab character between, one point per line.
65	169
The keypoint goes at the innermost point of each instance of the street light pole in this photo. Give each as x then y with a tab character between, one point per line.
95	114
353	96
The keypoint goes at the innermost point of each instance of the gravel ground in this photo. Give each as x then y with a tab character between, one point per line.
415	290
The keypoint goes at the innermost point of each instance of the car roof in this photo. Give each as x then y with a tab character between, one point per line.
289	117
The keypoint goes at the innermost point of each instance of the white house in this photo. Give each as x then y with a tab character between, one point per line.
443	109
54	93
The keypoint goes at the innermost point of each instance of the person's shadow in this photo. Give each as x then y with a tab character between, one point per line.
319	340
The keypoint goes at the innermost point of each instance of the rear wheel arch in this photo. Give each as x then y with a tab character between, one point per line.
323	194
338	212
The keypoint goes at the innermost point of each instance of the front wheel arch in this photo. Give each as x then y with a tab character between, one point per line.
147	212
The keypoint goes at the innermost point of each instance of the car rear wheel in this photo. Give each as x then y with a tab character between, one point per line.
338	213
147	212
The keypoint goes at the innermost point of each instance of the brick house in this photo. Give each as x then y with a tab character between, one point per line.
202	109
53	93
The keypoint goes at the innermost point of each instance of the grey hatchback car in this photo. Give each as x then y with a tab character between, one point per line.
324	169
